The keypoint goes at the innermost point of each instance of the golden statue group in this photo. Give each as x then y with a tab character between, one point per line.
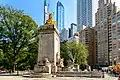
50	21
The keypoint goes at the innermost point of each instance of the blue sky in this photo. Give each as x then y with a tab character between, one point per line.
34	8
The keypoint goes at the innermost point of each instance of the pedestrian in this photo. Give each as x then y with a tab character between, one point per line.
103	74
114	73
119	77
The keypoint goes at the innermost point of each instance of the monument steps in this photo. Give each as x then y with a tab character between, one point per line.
38	75
79	74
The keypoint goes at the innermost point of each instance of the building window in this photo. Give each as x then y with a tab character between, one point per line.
118	19
119	26
119	37
114	47
114	34
114	20
118	31
114	38
119	46
114	27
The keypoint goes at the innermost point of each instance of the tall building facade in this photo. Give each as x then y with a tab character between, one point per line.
60	16
103	22
115	29
74	38
69	31
46	10
64	35
73	29
84	13
88	36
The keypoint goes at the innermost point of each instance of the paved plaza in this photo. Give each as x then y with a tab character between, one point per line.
56	78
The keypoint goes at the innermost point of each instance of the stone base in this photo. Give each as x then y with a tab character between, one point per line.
38	75
79	74
54	69
59	69
42	69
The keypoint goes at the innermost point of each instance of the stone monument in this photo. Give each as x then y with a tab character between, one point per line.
49	50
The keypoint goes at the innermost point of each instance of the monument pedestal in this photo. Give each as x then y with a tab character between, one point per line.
48	51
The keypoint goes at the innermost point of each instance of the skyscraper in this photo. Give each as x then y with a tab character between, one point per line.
46	11
60	16
84	13
64	35
73	29
115	30
103	24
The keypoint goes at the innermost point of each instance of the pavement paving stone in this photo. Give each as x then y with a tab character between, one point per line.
56	78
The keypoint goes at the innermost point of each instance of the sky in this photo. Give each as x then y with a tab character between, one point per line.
35	8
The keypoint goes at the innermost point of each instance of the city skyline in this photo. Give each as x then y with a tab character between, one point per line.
35	9
60	38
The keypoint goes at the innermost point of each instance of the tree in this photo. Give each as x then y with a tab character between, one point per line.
30	56
74	52
16	32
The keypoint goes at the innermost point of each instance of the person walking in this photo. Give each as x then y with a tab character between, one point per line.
119	77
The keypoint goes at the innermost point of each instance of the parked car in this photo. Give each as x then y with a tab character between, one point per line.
3	71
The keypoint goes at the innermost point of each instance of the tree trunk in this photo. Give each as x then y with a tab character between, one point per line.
13	67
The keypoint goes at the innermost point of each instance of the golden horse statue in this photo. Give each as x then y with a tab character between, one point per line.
50	21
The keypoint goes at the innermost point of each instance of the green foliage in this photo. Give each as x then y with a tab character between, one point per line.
74	53
17	37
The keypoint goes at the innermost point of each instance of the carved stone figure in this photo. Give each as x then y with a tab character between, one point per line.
43	66
47	63
61	62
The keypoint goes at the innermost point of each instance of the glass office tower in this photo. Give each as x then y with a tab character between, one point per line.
84	13
60	16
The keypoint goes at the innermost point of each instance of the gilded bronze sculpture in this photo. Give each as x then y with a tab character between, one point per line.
50	21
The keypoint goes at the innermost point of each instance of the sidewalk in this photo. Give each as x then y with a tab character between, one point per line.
108	77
